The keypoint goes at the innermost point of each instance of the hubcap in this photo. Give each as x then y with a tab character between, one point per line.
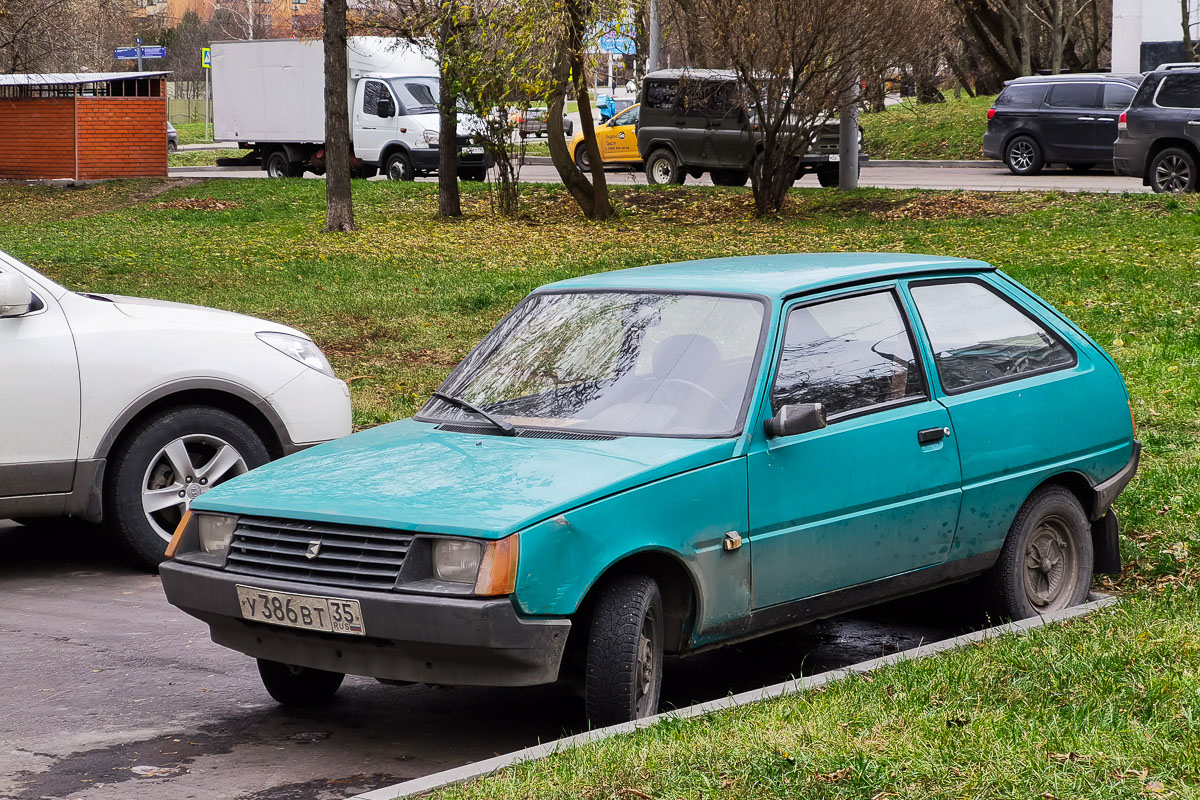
396	171
1020	155
1173	174
646	668
182	471
1051	565
662	171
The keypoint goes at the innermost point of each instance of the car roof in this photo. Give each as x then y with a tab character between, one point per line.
776	276
1134	78
695	74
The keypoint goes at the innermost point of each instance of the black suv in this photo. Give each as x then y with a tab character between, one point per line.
1057	119
692	123
1160	131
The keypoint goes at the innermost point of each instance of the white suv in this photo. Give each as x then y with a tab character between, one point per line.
125	410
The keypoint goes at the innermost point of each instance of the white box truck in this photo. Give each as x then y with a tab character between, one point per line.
269	97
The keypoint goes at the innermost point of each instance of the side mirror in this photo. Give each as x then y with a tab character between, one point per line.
16	298
795	418
385	107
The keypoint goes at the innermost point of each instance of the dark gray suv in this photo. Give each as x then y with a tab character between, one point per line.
692	123
1057	119
1159	135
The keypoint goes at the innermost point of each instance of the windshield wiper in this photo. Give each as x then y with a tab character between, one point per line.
508	429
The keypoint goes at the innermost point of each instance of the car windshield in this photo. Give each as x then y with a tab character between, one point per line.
644	363
417	95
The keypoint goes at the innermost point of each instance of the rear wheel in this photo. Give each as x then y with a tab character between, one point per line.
581	157
1024	156
277	165
623	679
476	174
398	167
1173	171
829	178
663	169
1047	558
171	459
298	686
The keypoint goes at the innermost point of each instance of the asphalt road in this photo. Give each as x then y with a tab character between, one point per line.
109	692
989	177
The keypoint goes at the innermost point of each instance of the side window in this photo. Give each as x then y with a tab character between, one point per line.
979	338
848	354
1179	91
373	91
1073	95
661	94
1118	96
1026	95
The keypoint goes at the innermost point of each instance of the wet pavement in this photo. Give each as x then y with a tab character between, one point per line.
110	692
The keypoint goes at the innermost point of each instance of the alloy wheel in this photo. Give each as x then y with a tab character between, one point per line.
181	471
1173	174
1020	155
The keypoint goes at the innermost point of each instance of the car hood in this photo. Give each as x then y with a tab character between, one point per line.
164	310
410	476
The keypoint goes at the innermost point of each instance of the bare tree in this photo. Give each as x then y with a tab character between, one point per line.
248	19
339	206
62	35
1185	20
794	60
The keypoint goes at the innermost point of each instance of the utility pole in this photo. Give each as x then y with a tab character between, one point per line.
655	34
848	141
139	53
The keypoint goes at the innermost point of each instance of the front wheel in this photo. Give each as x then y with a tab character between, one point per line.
398	167
298	686
1024	156
581	157
475	174
168	461
623	679
663	169
1173	171
1047	558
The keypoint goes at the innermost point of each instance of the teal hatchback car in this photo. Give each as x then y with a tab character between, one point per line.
667	459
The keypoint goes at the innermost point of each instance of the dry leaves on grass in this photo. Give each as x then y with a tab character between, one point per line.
944	206
200	204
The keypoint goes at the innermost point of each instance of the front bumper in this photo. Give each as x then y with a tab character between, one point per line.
439	640
425	159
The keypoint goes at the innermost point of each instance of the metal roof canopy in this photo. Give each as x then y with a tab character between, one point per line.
70	78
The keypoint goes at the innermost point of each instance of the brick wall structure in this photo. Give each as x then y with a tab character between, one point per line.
83	137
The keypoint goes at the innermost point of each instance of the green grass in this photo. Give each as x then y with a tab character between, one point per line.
193	132
1104	707
950	130
200	158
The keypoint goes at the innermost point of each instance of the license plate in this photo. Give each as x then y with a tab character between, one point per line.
472	151
835	157
330	614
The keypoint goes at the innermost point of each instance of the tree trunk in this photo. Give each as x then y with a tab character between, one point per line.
449	204
601	206
339	207
570	175
1185	20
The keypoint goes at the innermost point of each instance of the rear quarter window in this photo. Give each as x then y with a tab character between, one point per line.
660	95
1024	95
1073	95
1179	91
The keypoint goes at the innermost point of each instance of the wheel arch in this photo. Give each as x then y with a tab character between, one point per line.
391	147
1164	143
1021	132
662	144
243	403
1106	549
676	582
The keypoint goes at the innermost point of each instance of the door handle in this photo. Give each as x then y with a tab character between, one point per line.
1194	122
931	435
1086	119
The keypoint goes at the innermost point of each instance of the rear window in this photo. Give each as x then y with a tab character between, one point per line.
1118	96
1073	95
1180	91
661	94
1022	94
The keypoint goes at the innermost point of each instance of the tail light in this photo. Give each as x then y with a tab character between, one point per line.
991	113
1122	121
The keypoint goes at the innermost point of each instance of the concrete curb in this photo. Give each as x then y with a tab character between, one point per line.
209	146
479	769
545	161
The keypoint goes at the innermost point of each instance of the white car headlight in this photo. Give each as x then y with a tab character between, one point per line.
215	531
456	560
431	138
298	348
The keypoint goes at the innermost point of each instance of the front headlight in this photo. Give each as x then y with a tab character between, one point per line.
215	531
456	560
298	348
431	138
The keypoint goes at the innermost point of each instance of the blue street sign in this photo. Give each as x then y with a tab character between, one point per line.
614	37
125	52
154	51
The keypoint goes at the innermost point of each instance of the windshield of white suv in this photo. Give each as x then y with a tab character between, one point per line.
613	362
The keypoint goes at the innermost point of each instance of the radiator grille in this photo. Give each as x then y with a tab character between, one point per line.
345	555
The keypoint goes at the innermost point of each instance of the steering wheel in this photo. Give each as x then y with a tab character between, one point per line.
698	388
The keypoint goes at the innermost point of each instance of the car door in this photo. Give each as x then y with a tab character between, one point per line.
726	135
1115	98
1068	123
691	117
874	493
1017	394
621	136
373	131
39	399
1179	98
